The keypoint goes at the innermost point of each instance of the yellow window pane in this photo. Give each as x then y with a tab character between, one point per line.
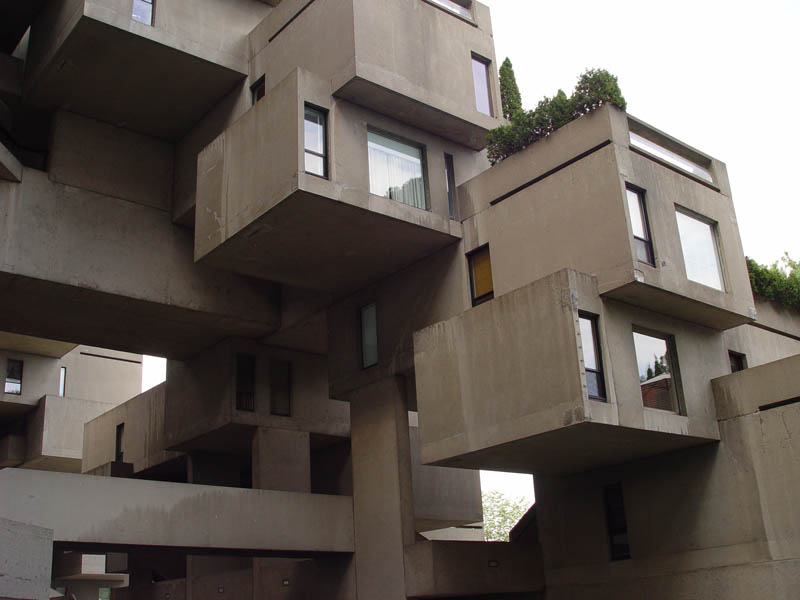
481	273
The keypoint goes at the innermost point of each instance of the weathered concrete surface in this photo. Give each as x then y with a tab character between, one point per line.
13	448
10	167
445	569
32	345
127	512
25	560
93	256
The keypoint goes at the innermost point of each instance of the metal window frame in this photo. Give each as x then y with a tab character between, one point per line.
600	371
476	300
641	193
324	156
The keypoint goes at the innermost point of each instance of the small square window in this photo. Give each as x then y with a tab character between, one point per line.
592	360
369	335
738	361
395	170
13	377
480	77
259	89
700	249
143	11
659	376
480	275
640	226
316	144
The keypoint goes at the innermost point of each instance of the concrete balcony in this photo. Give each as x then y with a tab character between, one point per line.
259	213
156	79
444	569
503	386
563	202
125	513
407	59
760	388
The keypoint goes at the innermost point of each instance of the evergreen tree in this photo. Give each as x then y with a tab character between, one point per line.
509	92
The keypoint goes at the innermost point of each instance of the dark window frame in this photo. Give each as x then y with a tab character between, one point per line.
616	522
273	407
672	363
119	440
600	371
361	309
739	357
14	380
324	156
647	242
476	300
245	376
62	381
450	181
258	90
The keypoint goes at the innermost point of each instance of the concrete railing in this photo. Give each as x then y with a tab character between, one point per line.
765	386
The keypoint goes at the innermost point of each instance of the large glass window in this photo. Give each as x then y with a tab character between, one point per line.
669	156
699	245
315	142
480	275
640	226
592	362
13	376
480	76
143	11
395	170
369	335
659	378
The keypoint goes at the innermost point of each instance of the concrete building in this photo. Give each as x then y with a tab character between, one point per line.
289	200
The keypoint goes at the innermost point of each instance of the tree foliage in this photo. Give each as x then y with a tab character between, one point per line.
779	282
500	514
509	92
595	88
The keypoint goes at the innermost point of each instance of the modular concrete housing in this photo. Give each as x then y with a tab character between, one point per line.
290	201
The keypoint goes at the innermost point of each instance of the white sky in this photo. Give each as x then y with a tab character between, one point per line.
720	76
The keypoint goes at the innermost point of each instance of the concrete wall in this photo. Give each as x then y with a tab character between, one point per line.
25	559
102	375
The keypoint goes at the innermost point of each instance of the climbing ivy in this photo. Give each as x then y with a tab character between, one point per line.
779	282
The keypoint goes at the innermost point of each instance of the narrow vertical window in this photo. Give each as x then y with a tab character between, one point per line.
641	227
315	142
480	77
592	361
62	381
699	246
143	11
13	377
480	275
659	376
450	180
245	382
259	89
369	335
738	361
118	441
280	387
395	170
616	522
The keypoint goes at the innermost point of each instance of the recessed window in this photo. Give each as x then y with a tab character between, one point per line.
640	226
280	387
699	244
13	376
118	441
616	522
369	335
450	180
480	275
480	77
245	382
669	156
459	7
62	381
259	89
738	361
592	361
143	11
395	170
659	377
315	142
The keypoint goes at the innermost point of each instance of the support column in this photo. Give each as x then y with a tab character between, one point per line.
382	496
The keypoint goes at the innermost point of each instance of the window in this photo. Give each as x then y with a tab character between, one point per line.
62	381
480	77
315	142
118	440
369	335
450	180
280	387
13	377
616	522
395	170
659	377
592	361
738	361
259	89
669	156
699	245
480	275
143	11
640	226
245	382
459	7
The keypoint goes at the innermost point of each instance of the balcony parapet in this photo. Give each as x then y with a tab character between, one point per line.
758	388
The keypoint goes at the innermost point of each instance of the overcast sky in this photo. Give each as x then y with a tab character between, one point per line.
721	76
